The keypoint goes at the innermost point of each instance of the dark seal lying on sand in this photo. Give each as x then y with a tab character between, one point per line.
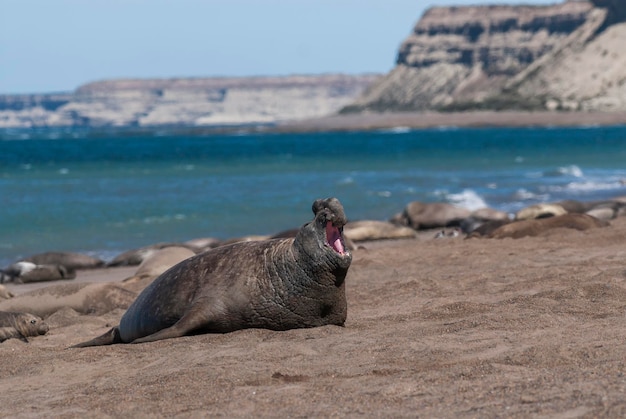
276	284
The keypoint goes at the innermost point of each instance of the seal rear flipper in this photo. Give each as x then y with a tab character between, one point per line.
109	338
174	331
191	321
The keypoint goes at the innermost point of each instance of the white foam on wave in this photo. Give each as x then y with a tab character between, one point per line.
396	130
467	199
525	195
586	186
534	175
571	170
348	180
163	219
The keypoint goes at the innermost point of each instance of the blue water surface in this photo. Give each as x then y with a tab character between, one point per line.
106	191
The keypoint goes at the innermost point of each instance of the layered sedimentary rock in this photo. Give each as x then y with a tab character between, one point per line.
564	56
192	101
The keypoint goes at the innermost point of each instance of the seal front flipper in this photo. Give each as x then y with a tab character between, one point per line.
109	338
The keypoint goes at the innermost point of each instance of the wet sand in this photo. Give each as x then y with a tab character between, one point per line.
532	327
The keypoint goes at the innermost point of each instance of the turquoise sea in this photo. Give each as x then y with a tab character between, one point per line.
104	191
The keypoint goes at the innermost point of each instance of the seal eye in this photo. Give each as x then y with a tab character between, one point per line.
33	321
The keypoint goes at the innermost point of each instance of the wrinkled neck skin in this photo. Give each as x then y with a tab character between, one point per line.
314	254
308	280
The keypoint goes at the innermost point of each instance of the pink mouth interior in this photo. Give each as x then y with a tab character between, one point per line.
333	237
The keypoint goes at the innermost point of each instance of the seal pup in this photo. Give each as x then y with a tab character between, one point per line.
276	284
20	326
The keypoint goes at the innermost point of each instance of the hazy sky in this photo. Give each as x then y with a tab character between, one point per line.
57	45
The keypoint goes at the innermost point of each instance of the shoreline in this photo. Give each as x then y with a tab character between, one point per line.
478	119
446	328
371	121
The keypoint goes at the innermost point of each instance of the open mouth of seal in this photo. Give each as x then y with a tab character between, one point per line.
334	238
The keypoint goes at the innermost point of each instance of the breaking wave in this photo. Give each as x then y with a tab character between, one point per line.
467	199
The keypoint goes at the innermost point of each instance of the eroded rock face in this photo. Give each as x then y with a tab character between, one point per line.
189	101
501	39
508	57
616	9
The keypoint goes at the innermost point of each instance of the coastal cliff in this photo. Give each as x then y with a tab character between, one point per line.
186	101
567	56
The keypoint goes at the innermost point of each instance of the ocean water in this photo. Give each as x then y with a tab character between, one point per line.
106	191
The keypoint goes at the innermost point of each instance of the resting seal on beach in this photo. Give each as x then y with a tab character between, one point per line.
20	325
535	227
85	298
24	272
274	284
71	261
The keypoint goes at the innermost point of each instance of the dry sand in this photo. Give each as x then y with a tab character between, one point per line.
390	120
533	327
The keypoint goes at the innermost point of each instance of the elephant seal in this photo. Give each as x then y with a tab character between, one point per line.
47	273
71	261
155	265
424	216
14	271
20	325
535	227
5	294
135	257
24	272
95	298
486	229
377	230
276	284
539	211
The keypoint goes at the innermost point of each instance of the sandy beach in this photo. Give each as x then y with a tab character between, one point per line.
530	327
395	120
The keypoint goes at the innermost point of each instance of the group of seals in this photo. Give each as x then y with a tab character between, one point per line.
20	326
275	284
71	261
535	227
48	266
24	271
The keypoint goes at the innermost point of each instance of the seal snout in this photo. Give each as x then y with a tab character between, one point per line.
42	328
332	210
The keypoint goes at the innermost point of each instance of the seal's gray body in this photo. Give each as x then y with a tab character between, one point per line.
275	284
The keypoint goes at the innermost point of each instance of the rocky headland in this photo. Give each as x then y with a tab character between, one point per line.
186	101
564	57
560	64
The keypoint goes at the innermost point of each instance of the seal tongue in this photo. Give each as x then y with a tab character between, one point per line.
333	237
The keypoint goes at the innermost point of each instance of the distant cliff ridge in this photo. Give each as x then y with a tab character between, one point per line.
569	56
186	101
565	56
